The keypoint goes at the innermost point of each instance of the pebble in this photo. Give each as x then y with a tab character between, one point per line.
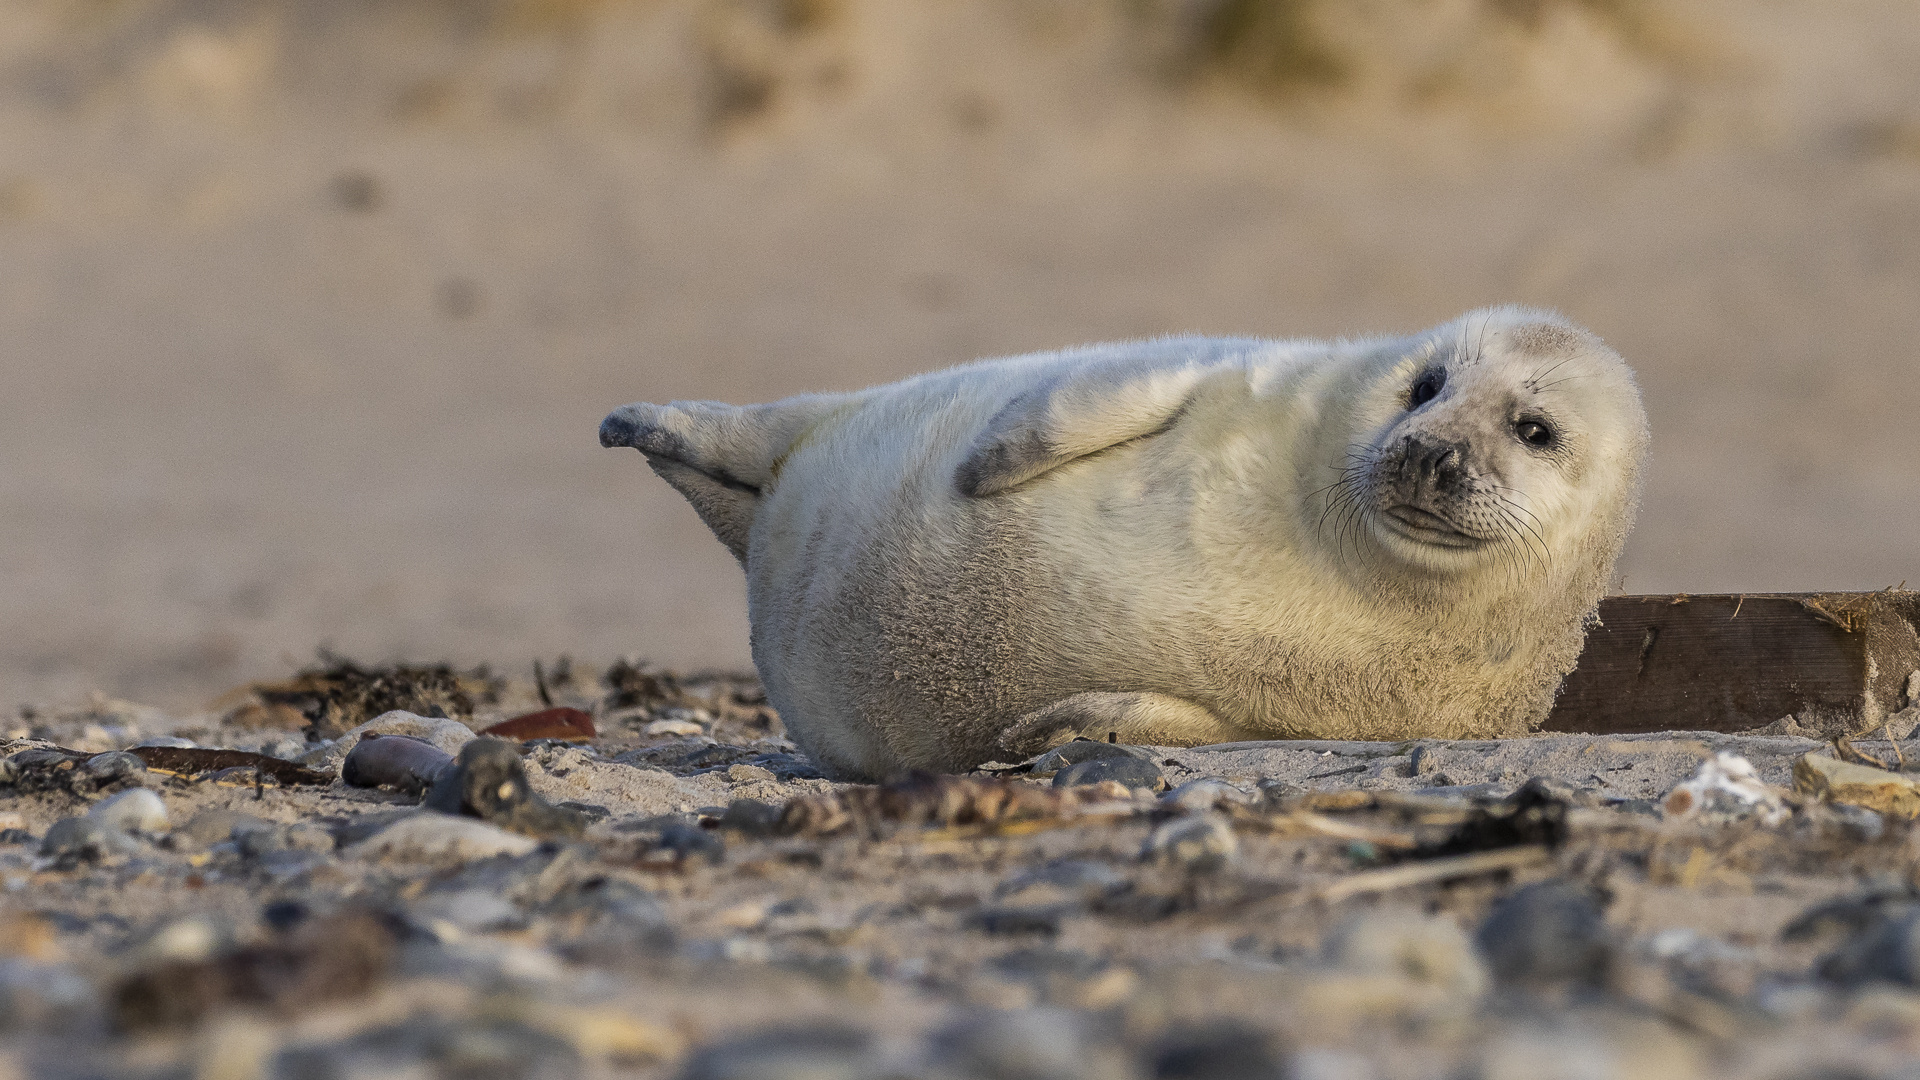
217	826
471	911
1081	880
448	735
1126	770
74	840
285	749
751	817
430	1046
1080	750
1426	949
115	766
1885	949
1208	793
682	728
489	781
819	1052
1202	843
166	741
433	837
35	995
300	836
1552	931
1024	1044
405	763
1223	1052
136	811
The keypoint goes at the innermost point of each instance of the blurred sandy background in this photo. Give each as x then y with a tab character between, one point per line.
309	308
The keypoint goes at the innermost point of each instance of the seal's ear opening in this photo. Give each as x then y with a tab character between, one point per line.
1083	413
720	458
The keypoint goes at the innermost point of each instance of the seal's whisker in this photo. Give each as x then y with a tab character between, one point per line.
1550	369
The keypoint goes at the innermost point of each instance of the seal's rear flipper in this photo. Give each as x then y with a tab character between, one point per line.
722	458
1101	403
1138	719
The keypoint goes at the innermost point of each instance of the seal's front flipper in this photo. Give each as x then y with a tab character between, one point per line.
1136	719
722	458
1102	402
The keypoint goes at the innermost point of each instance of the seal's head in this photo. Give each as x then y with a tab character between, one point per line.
1507	439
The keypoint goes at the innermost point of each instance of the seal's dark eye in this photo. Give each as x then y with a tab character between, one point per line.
1426	388
1534	433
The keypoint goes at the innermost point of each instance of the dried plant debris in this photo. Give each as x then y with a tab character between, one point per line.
338	695
560	722
227	766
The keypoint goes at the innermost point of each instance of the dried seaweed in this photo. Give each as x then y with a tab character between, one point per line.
340	694
192	762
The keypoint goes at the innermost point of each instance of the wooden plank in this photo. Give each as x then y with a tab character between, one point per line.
1727	662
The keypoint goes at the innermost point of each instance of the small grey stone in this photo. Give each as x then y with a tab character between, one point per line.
1198	842
216	826
1074	879
173	741
1128	771
750	817
1223	1052
300	836
473	911
115	768
1207	793
1080	750
1425	949
1548	932
285	749
1034	919
1885	949
821	1052
1028	1044
74	840
36	995
430	837
136	811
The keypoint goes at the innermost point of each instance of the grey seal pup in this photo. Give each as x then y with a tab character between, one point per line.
1173	542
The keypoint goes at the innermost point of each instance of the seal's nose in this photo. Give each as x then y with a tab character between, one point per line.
619	428
1440	466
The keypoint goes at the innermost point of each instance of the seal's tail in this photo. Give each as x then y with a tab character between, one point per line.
721	457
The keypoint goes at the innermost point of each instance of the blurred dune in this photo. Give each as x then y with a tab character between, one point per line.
309	309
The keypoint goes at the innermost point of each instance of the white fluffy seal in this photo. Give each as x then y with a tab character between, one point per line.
1174	542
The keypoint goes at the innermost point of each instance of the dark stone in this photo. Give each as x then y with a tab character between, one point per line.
1227	1052
15	836
1043	919
811	1053
590	811
488	781
751	817
1028	1044
284	915
437	1047
1125	769
688	843
1550	932
1885	949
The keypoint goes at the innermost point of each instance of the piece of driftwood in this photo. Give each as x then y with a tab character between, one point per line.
1835	662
